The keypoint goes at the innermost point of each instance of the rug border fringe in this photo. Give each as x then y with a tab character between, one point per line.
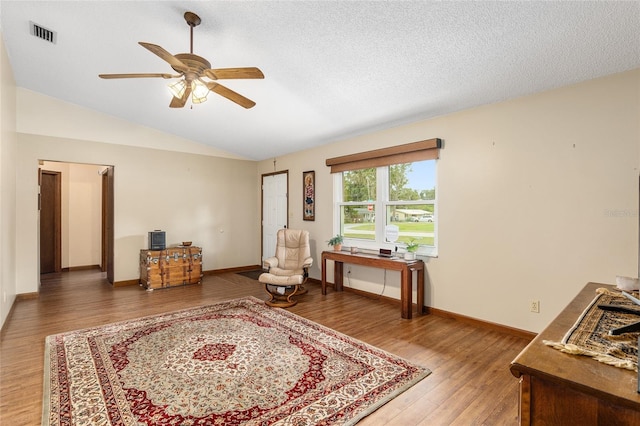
46	386
576	350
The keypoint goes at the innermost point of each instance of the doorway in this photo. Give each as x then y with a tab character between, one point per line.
275	209
76	217
50	222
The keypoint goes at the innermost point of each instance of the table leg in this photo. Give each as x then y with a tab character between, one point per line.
324	275
405	292
338	274
420	285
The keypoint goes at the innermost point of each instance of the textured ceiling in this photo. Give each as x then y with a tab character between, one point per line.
333	69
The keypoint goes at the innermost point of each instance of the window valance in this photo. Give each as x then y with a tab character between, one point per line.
407	153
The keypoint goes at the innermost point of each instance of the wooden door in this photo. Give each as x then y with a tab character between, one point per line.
275	209
50	222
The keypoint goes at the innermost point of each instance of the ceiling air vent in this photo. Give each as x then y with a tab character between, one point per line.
42	33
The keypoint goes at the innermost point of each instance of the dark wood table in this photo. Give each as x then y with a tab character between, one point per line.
561	389
406	268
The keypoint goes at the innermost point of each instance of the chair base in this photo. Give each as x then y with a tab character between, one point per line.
280	299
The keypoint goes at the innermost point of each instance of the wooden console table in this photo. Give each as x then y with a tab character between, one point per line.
561	389
406	268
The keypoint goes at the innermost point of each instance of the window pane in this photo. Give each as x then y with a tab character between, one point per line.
405	195
359	185
412	181
415	221
358	221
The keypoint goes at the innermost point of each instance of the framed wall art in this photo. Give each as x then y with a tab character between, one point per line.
309	195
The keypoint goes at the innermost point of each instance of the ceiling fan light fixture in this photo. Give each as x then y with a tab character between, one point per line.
191	68
199	91
178	88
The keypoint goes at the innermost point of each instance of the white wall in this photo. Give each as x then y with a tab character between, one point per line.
536	196
81	212
8	148
209	200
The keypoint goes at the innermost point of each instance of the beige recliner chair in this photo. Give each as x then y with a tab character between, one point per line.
288	270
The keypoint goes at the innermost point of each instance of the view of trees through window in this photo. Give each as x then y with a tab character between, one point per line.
405	193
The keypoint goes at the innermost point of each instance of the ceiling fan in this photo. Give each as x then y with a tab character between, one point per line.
191	71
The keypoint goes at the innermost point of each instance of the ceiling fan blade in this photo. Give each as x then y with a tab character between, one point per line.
176	63
180	102
233	73
231	95
137	75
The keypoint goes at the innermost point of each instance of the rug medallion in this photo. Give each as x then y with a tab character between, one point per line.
230	363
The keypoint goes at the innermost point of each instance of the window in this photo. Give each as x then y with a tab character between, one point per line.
404	195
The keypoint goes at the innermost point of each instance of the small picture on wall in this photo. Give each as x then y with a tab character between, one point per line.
309	195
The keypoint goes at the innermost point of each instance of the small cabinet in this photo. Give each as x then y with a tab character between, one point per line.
170	267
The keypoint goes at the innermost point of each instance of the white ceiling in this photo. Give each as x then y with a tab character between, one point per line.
333	69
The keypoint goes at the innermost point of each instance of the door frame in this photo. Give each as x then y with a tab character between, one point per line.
107	256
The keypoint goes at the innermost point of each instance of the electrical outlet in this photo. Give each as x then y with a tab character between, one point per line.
535	306
348	271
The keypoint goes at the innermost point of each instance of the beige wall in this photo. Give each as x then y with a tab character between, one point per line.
42	115
212	201
7	185
208	200
536	197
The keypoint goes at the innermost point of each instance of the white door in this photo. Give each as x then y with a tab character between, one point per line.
274	210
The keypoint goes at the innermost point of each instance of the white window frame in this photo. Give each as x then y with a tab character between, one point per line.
381	202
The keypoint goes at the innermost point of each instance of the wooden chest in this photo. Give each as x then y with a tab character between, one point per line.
170	267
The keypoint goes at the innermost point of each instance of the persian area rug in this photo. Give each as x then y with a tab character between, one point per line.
238	362
590	334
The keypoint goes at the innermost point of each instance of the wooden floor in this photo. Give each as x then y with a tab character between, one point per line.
470	383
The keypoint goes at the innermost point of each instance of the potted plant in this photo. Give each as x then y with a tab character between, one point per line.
336	242
412	247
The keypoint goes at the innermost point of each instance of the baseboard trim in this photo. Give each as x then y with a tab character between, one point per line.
20	296
126	283
444	314
516	332
27	296
232	270
81	268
